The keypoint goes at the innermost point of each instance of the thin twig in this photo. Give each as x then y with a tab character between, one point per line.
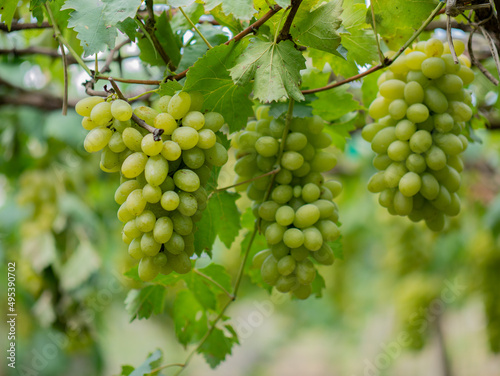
385	63
476	62
35	50
65	72
214	282
285	30
275	171
24	26
374	25
195	28
255	25
450	39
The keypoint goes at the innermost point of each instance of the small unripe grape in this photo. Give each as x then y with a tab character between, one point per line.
166	122
151	193
97	139
269	270
136	202
392	89
132	138
186	137
286	265
186	180
213	121
124	190
148	270
216	155
306	216
313	240
146	113
417	113
179	105
121	110
293	238
267	146
285	215
274	233
206	139
194	119
134	165
151	147
171	150
379	108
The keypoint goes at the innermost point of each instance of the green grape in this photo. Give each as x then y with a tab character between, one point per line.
329	230
188	205
194	119
97	139
170	200
435	100
399	150
148	270
379	108
397	109
323	161
403	205
145	221
259	257
416	163
394	173
88	124
134	165
193	158
320	141
85	105
449	83
161	104
286	283
370	130
410	184
269	270
282	194
175	245
414	60
335	187
313	240
420	141
305	272
430	186
291	160
146	113
171	150
274	233
213	121
216	155
443	122
308	152
149	245
413	93
124	190
392	89
381	161
460	111
110	161
377	182
284	215
433	67
206	139
435	158
417	113
279	250
310	192
179	105
296	141
181	263
124	215
130	229
186	180
267	210
404	130
135	250
434	47
383	139
324	255
286	265
121	110
284	177
116	143
449	143
466	75
163	229
152	194
306	216
267	146
166	122
136	202
186	137
293	238
302	292
101	114
132	139
151	147
183	225
265	164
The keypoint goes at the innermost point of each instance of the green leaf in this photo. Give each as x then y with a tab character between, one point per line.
7	10
126	370
145	302
80	266
163	280
361	46
369	88
396	20
341	129
221	218
319	29
217	346
128	27
275	69
300	109
153	361
337	248
210	76
197	285
241	9
318	285
189	318
169	88
180	3
219	274
339	66
95	21
227	20
334	103
258	245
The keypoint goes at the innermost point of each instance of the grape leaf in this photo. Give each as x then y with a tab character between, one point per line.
369	88
219	274
275	69
153	361
220	218
396	20
126	370
361	46
95	21
283	3
128	27
300	109
319	29
7	10
226	20
337	248
144	302
189	317
318	285
217	346
241	9
169	88
180	3
196	284
210	76
334	103
341	129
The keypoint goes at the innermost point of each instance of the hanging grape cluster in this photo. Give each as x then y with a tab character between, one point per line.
162	192
293	202
420	112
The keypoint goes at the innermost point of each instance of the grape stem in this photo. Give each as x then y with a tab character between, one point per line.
217	190
157	132
374	25
285	31
386	61
195	28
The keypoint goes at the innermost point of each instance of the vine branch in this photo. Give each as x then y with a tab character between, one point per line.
215	283
195	28
24	26
285	30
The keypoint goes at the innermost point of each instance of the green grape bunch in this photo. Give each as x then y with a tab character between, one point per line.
421	112
293	202
162	192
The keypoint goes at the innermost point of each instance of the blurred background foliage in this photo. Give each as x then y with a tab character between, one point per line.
403	300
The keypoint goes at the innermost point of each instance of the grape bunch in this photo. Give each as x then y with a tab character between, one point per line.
421	112
162	192
293	203
38	189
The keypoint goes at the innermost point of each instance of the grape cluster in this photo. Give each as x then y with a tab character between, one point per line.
420	112
38	188
162	192
294	204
